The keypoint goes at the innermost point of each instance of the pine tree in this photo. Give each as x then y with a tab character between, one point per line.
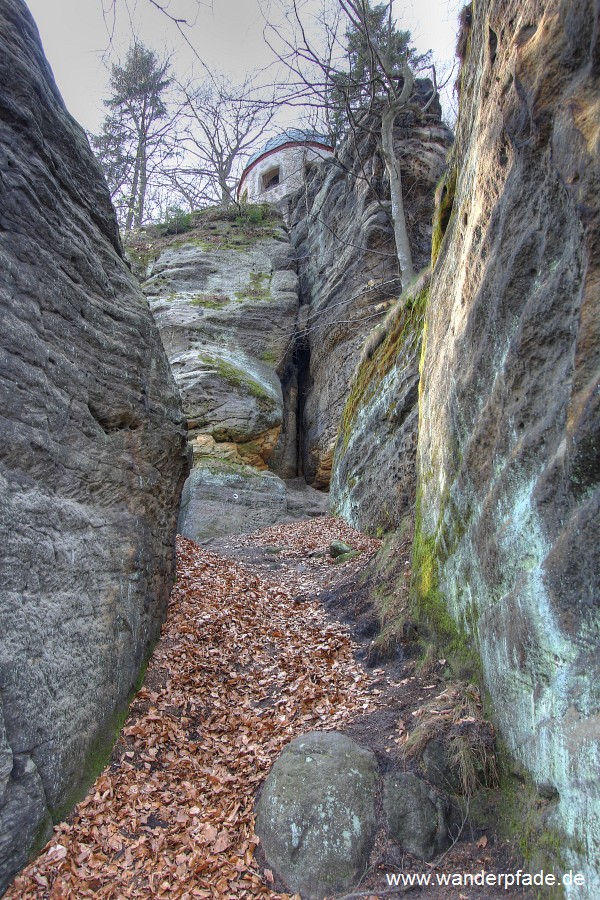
132	136
370	39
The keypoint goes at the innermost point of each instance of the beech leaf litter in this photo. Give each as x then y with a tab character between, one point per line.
240	670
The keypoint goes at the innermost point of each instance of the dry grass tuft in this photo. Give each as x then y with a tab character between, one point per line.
455	717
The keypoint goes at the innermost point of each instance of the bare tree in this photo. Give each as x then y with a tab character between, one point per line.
365	75
221	126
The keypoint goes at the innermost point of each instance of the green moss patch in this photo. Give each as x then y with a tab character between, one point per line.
238	378
209	301
346	557
428	605
215	228
402	326
100	749
259	287
270	357
523	812
445	195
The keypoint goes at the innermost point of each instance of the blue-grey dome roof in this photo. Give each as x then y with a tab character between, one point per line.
290	136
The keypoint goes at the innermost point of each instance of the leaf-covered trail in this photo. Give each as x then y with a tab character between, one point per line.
240	670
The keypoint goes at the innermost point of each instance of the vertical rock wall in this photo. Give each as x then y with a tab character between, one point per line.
92	456
348	266
508	527
374	479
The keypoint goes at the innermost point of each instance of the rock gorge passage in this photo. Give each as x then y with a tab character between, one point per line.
459	421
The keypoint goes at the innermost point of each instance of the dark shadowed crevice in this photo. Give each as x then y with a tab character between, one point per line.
302	363
493	45
114	420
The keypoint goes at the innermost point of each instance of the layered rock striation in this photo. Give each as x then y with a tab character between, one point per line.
507	539
348	268
92	456
225	298
374	477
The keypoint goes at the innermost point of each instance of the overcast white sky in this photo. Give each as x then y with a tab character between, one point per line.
226	34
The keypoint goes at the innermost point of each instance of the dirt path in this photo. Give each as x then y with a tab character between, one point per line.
247	660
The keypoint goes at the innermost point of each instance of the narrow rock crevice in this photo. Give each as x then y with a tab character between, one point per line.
304	381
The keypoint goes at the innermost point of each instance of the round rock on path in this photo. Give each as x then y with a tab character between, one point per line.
316	815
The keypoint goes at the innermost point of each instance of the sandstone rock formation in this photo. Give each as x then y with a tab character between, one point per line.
218	500
373	484
92	456
508	527
225	298
348	266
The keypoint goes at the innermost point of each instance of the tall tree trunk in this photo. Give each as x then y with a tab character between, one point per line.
132	195
143	185
407	272
131	205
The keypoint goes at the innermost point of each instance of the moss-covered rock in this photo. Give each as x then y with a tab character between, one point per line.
346	557
224	496
507	543
208	290
443	210
373	479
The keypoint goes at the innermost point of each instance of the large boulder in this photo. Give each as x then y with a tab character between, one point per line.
316	815
221	498
224	496
92	456
507	545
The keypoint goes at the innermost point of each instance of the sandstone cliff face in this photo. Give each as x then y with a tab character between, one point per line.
509	509
374	479
92	455
225	298
348	267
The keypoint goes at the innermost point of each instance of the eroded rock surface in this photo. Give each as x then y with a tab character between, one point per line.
374	478
225	298
509	518
219	500
417	817
92	455
316	814
348	266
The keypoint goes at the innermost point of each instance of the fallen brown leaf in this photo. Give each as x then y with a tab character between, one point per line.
239	671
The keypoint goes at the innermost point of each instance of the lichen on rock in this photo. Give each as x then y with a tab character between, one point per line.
348	266
225	297
93	457
316	814
506	545
374	470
